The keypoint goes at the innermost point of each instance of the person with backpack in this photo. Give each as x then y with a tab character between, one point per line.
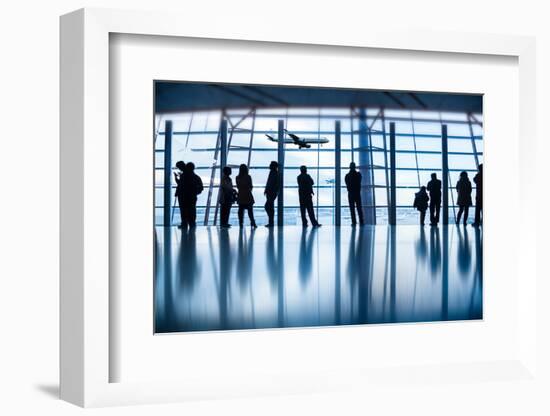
421	199
192	187
179	178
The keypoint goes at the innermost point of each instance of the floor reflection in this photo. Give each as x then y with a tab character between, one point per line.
219	279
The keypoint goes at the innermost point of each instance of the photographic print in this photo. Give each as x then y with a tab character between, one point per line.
293	206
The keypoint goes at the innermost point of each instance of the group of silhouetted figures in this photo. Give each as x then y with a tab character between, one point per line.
189	186
464	199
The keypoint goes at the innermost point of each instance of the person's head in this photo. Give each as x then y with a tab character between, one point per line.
463	175
422	189
190	167
303	169
434	176
243	170
352	166
227	171
180	164
273	165
480	167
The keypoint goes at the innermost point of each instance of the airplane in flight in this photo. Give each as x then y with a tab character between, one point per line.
301	143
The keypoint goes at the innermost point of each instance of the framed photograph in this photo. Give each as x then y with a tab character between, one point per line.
346	181
284	213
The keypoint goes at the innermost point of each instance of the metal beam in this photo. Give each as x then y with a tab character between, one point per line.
371	181
281	162
386	175
393	201
223	146
364	166
474	148
395	99
167	172
337	174
418	100
222	134
445	178
213	176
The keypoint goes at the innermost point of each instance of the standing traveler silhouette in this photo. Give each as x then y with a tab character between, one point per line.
421	203
434	188
305	193
271	191
478	180
178	176
464	200
228	196
192	186
353	184
245	198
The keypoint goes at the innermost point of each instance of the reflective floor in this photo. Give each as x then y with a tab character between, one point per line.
218	279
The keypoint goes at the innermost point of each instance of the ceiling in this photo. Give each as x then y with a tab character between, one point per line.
187	96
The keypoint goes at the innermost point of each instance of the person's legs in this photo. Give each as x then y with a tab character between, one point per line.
432	213
460	211
240	214
183	213
422	216
466	210
270	209
477	219
437	211
224	214
359	209
303	212
187	212
351	202
250	209
311	212
193	213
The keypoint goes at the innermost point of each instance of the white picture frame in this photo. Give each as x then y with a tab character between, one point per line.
85	216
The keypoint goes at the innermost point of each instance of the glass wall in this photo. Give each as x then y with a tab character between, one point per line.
364	140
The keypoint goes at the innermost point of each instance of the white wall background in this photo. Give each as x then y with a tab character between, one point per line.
29	194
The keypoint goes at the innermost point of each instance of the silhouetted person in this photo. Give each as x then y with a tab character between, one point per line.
464	200
353	184
192	186
434	188
178	176
245	199
478	180
305	193
421	199
271	191
228	196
